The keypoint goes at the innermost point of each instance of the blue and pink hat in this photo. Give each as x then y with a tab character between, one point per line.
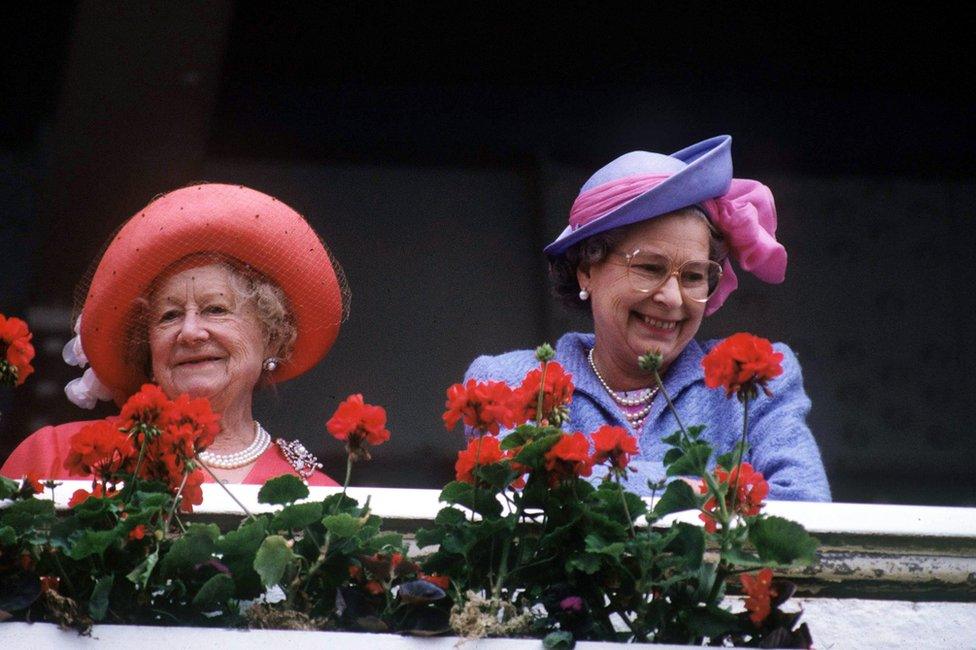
641	185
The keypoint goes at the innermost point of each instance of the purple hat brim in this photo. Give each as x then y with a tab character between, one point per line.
708	175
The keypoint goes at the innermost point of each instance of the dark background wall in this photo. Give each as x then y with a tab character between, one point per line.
436	152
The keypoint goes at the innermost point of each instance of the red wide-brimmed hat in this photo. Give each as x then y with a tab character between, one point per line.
226	220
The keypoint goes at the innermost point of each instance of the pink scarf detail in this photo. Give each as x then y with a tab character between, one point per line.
603	199
746	215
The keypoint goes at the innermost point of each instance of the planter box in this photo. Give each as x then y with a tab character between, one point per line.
888	577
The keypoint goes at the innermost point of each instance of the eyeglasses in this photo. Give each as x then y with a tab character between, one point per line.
648	271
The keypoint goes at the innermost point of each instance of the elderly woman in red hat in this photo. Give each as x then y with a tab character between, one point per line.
210	291
647	252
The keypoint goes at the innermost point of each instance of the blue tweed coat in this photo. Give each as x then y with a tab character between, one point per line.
782	447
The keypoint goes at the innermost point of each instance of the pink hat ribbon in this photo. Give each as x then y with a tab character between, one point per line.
603	199
746	215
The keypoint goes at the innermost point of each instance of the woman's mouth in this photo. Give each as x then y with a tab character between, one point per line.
196	361
657	326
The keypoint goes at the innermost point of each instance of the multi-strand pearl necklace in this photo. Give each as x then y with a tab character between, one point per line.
239	458
643	400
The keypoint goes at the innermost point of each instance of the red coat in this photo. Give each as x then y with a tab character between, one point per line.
44	451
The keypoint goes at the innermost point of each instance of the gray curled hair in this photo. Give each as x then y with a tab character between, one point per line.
595	249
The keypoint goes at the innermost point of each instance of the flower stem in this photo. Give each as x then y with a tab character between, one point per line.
741	450
542	391
503	568
674	411
176	500
623	500
324	550
220	483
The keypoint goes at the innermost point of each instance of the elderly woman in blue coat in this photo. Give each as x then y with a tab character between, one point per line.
648	250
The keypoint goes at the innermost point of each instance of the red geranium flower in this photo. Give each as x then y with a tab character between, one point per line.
741	364
558	392
98	492
149	406
759	592
138	532
481	451
16	351
486	406
435	579
613	444
196	421
360	425
752	489
568	458
99	448
33	480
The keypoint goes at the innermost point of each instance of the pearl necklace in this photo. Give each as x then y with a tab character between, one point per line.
635	419
239	458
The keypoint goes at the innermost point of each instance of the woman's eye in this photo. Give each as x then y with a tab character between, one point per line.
169	315
216	310
655	270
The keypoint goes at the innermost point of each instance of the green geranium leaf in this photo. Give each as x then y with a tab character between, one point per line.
246	539
429	536
297	515
287	488
559	640
743	559
388	540
596	544
92	542
674	439
153	499
534	453
214	593
497	475
139	576
672	455
712	621
238	548
687	542
339	502
588	563
7	536
27	514
782	541
342	524
677	496
8	488
196	546
521	435
449	517
695	431
727	461
272	559
694	461
463	494
18	590
98	604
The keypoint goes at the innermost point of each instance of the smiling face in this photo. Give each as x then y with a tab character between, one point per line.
203	338
629	323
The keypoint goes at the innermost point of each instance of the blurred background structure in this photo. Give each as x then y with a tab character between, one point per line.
438	152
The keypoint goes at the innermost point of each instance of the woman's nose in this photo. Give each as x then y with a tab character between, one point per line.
669	293
192	329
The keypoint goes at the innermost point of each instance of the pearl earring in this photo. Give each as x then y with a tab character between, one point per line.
270	364
584	295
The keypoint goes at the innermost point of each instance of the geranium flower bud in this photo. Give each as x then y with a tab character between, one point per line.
650	362
545	352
